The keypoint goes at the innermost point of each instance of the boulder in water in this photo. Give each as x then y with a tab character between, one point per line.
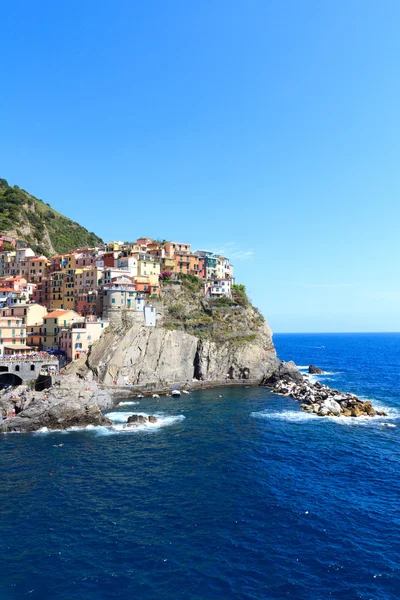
137	420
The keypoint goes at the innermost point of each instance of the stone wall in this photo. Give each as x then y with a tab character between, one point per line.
26	370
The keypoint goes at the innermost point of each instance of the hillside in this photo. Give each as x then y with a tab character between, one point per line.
39	226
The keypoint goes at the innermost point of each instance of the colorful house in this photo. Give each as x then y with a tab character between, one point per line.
52	325
12	334
218	288
76	339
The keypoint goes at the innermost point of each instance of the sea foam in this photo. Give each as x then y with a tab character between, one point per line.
128	403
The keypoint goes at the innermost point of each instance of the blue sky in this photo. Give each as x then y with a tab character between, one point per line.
267	130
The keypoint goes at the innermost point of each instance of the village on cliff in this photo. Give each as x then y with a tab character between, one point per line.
61	305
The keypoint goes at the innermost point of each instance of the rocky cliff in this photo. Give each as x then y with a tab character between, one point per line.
72	401
194	338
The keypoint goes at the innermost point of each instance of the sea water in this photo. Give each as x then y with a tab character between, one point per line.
233	493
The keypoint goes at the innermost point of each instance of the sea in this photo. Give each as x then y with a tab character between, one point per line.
234	493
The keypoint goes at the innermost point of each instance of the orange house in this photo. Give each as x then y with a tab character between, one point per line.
147	285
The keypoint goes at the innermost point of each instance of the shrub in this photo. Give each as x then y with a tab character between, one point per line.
239	294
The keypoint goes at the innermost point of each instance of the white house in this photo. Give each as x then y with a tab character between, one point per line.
218	288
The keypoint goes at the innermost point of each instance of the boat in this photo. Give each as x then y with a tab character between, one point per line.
175	393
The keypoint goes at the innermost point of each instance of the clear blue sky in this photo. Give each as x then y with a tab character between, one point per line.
268	130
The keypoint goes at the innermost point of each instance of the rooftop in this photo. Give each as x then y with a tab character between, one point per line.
57	313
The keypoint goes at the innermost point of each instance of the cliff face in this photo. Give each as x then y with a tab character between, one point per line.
156	355
193	339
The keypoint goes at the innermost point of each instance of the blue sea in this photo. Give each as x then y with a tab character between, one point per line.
233	494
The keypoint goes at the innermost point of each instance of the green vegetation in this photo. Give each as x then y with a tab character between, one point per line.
244	338
177	311
220	302
239	294
19	210
191	282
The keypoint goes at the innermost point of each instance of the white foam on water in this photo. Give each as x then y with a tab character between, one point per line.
42	430
120	425
130	403
294	416
299	416
119	428
122	416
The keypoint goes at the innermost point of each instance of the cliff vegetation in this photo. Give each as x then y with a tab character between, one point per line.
39	226
184	307
195	338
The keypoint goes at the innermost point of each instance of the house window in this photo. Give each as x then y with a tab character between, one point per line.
32	367
113	300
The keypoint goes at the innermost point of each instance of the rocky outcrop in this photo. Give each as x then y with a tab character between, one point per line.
71	402
157	355
284	372
324	401
313	370
137	420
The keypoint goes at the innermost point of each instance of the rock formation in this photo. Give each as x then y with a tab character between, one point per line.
72	401
204	342
313	370
137	420
324	401
284	372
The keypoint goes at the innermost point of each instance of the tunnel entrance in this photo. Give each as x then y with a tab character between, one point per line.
7	379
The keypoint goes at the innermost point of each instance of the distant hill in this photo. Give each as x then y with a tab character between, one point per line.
39	226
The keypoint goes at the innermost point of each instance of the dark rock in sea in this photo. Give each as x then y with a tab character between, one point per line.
314	370
286	371
136	420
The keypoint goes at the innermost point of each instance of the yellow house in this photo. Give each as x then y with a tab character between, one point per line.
147	264
56	291
37	268
53	324
30	314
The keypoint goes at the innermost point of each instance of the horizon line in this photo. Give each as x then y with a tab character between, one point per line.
330	332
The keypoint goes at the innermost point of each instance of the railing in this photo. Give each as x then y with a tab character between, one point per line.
35	357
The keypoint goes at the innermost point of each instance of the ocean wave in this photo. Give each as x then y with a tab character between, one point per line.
299	416
286	415
119	426
128	403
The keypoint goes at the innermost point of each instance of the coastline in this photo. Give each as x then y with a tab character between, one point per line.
78	401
